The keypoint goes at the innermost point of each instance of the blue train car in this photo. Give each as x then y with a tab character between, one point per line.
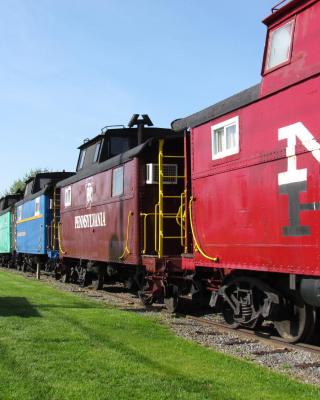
34	216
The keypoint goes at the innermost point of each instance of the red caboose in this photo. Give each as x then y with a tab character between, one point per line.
109	208
255	184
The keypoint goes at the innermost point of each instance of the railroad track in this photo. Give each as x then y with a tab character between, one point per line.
265	338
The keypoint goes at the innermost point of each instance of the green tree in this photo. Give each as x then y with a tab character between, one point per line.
19	184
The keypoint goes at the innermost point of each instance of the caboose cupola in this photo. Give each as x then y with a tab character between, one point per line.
117	139
291	50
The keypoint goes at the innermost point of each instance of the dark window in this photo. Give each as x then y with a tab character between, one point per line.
97	152
28	189
81	158
118	145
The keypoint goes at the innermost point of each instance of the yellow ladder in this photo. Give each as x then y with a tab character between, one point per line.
55	219
160	214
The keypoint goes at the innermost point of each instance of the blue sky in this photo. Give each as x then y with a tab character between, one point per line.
70	67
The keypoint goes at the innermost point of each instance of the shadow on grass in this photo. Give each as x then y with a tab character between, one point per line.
17	306
173	375
69	306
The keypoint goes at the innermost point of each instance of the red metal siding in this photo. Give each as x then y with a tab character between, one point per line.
239	213
103	238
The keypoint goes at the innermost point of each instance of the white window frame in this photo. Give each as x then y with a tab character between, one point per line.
37	206
152	174
19	213
225	152
114	174
271	43
67	196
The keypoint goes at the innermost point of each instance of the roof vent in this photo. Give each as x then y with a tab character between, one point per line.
277	6
140	123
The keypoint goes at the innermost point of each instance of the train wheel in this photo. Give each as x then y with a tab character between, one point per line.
65	278
171	299
98	283
242	303
299	324
171	303
85	278
57	275
146	298
316	333
228	315
73	275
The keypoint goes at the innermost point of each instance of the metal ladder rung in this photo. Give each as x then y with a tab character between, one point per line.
173	176
171	156
160	215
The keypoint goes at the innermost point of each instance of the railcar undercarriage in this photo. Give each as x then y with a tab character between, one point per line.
84	273
244	300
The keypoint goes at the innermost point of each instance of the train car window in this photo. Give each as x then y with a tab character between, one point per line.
28	189
37	206
19	213
119	145
67	196
225	138
81	159
97	152
279	47
117	181
42	182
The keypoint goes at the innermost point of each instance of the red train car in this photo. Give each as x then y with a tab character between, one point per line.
107	210
255	185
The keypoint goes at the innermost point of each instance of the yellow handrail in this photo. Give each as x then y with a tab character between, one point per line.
56	204
156	216
145	216
59	239
160	198
51	236
197	247
126	250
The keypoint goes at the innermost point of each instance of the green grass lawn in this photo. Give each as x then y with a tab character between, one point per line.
55	345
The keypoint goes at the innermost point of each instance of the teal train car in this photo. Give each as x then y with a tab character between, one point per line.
7	221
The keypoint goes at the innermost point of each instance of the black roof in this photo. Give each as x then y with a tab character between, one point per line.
88	142
217	110
43	183
8	201
148	132
105	165
119	158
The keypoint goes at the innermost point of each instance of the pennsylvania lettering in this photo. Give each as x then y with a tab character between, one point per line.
90	220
